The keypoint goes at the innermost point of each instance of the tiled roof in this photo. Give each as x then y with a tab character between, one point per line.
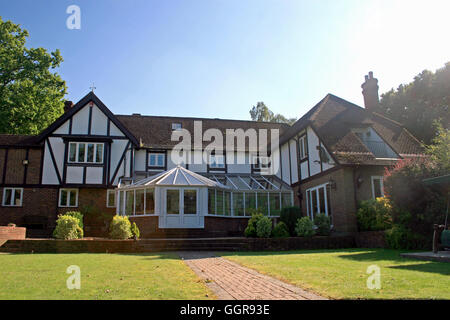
334	118
18	140
156	131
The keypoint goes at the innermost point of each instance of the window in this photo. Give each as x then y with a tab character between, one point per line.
111	199
238	203
250	203
318	200
129	203
149	201
68	197
275	204
190	202
377	187
263	203
139	202
176	126
227	203
173	201
303	147
219	202
156	159
84	152
12	197
211	201
217	161
261	162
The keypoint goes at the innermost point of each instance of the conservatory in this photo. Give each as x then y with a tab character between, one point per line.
182	198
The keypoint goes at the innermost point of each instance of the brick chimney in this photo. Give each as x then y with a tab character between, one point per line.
370	92
68	105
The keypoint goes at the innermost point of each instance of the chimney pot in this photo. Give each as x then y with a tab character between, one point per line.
68	105
370	92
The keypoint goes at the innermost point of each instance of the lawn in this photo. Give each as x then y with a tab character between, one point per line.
341	274
103	276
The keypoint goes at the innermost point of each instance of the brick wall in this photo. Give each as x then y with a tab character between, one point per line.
7	233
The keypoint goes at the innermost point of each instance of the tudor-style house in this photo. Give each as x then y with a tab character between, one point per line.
101	163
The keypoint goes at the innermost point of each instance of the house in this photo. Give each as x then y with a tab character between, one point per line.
90	158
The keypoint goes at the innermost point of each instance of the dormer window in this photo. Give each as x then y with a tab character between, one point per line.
261	163
176	126
156	160
217	161
85	152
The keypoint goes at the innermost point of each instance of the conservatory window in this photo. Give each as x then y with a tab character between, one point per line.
211	201
190	202
173	201
149	201
139	206
238	203
262	203
219	203
275	204
250	203
129	203
227	203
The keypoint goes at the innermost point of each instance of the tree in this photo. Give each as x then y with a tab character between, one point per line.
419	104
439	151
31	96
261	112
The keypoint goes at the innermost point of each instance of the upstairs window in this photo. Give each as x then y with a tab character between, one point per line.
303	147
156	160
85	152
261	163
12	197
176	126
217	161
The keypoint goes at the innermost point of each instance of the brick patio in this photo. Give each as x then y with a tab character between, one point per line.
230	281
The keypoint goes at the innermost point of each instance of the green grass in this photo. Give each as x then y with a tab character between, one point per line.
341	274
103	276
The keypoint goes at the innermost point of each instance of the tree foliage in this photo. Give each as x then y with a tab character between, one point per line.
417	105
262	113
31	95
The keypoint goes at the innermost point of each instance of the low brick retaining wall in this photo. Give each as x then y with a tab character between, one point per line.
7	233
370	239
153	245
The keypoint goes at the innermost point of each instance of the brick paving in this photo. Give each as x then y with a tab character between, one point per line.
231	281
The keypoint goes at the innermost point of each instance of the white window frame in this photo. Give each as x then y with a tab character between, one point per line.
157	154
303	148
108	192
216	165
13	195
372	178
315	189
86	152
176	126
67	205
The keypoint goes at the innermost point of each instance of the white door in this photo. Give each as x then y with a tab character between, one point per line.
181	208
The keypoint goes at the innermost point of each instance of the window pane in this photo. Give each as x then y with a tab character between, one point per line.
17	197
129	202
377	188
111	198
63	198
329	203
274	199
308	202
99	153
173	202
139	210
250	203
160	160
190	202
238	203
262	203
286	200
121	201
322	200
7	197
314	202
149	202
219	202
72	152
73	198
90	152
81	150
211	201
227	203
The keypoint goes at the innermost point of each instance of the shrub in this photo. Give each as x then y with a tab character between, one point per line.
68	228
280	230
304	227
400	237
289	216
135	231
120	228
264	227
78	215
323	224
374	215
250	231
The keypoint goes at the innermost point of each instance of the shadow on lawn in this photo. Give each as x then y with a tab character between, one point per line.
431	267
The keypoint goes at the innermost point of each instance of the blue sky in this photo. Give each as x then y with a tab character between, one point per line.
217	58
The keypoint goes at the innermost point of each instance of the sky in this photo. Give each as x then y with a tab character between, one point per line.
218	58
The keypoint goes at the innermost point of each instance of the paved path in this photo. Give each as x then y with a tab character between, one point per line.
231	281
